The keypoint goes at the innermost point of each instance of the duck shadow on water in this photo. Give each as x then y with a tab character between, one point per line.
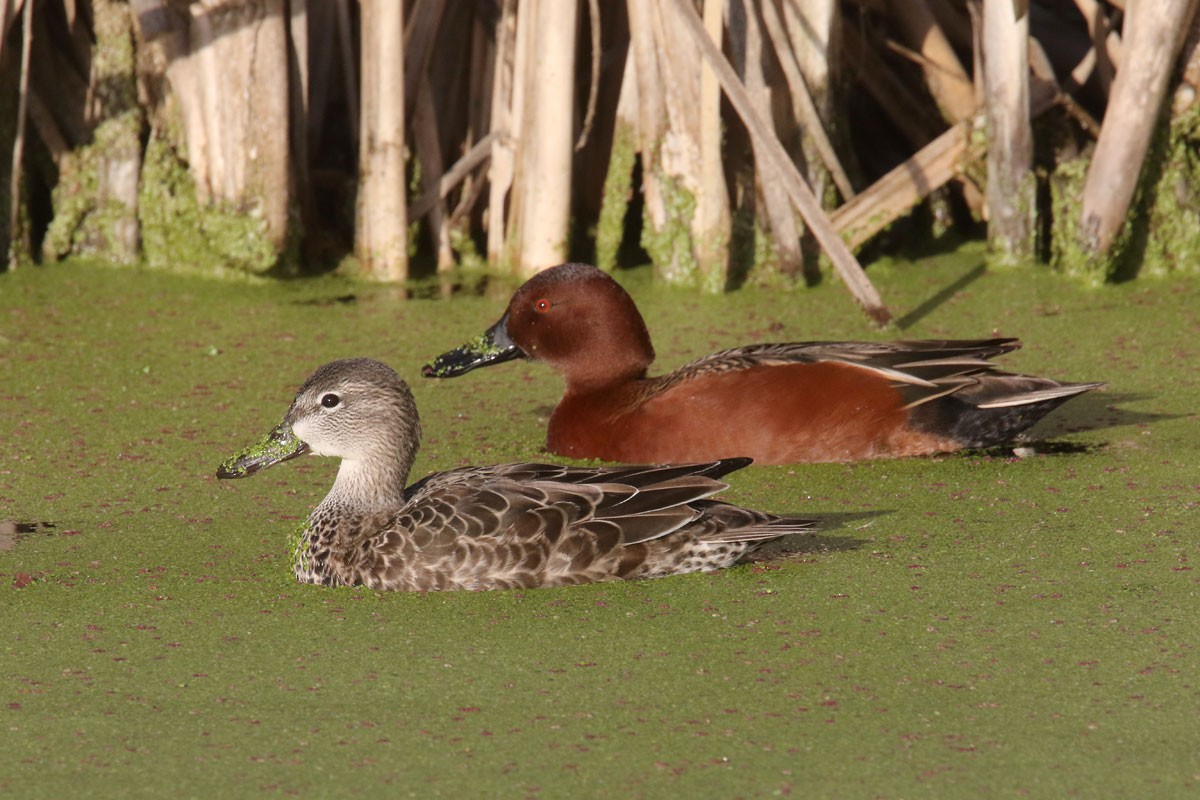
1094	411
821	540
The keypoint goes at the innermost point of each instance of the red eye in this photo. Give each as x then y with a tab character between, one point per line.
542	306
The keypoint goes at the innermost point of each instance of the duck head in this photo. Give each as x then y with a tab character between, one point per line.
358	410
573	317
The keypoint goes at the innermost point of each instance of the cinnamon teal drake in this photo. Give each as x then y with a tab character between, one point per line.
503	526
777	403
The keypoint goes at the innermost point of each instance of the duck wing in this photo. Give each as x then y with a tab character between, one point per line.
519	525
501	500
923	370
524	472
925	362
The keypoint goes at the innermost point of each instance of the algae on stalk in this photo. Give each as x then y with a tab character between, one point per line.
12	244
1162	232
1066	252
1011	252
180	234
466	252
670	247
90	218
754	260
96	199
618	187
1173	216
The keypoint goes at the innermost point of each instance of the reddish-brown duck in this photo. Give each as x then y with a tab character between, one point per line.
776	403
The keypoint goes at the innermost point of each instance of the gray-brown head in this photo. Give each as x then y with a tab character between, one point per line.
358	410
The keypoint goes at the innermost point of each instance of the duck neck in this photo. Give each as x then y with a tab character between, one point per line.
363	486
613	364
605	345
368	485
375	480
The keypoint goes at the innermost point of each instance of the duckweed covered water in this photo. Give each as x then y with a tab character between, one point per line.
974	625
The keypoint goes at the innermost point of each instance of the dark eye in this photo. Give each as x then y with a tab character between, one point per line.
542	306
331	400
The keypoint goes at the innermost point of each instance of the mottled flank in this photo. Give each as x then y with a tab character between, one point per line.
776	403
504	526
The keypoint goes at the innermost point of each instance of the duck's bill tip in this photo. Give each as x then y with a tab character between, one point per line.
278	445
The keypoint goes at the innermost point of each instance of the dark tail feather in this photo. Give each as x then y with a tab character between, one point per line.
998	410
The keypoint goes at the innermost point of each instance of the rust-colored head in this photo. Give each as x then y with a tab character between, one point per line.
575	318
580	321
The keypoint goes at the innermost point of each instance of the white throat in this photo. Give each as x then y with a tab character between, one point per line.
368	485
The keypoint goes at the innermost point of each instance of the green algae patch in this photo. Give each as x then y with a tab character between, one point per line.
974	625
89	220
1173	219
670	244
1162	236
181	235
679	257
1068	253
618	188
95	200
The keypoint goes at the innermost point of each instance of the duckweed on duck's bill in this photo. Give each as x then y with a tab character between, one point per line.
490	347
278	445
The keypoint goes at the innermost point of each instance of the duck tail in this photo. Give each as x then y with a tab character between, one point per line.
728	524
1054	395
996	409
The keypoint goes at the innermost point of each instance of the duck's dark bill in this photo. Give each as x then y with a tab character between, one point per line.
493	347
278	445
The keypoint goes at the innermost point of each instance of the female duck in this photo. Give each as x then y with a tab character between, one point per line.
503	526
777	403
